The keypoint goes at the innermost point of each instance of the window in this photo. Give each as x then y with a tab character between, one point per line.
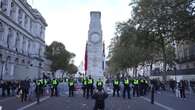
31	26
40	64
17	42
20	16
1	27
12	11
3	5
26	20
17	60
1	57
29	47
9	37
23	61
23	44
1	31
41	31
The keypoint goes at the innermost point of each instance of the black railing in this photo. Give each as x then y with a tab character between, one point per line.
175	72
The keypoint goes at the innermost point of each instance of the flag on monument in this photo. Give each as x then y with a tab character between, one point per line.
86	62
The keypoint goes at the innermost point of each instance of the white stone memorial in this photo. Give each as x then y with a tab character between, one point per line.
95	57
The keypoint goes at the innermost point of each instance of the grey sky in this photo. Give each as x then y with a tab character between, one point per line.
68	20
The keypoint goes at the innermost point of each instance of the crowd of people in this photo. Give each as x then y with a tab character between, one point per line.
27	90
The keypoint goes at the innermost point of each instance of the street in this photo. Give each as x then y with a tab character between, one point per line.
163	101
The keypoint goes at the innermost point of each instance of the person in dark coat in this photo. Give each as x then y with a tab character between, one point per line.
84	87
3	86
23	87
182	87
99	97
8	87
38	89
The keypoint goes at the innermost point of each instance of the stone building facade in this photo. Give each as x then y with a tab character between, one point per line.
185	58
22	40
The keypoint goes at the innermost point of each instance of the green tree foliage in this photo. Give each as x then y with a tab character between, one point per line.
72	69
59	56
152	31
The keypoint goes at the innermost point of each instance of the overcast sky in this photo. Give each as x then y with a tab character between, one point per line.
68	21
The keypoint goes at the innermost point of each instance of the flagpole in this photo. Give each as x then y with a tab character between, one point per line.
86	60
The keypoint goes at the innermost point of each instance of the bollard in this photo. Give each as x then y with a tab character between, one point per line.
152	94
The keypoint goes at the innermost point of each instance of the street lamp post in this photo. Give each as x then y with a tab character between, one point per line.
175	73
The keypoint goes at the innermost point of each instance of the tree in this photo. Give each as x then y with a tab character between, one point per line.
59	56
150	35
72	69
166	22
125	50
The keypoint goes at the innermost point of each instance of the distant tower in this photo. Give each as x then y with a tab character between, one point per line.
95	57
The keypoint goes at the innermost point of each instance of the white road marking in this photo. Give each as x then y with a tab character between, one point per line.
35	102
3	100
158	104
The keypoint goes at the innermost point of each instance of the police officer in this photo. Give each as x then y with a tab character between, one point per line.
54	87
90	82
71	87
126	83
84	87
135	87
99	84
116	87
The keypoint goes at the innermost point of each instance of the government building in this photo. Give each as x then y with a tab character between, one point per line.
22	41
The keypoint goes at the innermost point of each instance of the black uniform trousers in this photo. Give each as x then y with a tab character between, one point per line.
71	91
136	90
84	90
54	90
182	93
126	90
90	90
116	89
